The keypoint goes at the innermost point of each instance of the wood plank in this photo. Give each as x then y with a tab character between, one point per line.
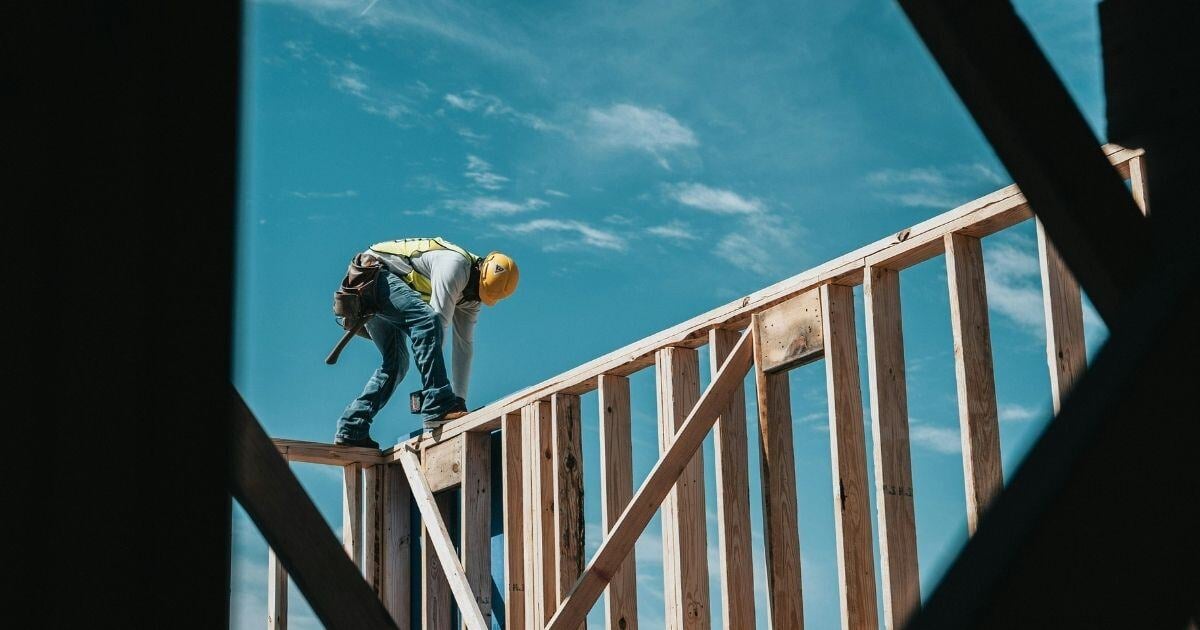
511	449
778	477
1066	351
352	511
973	371
616	488
1137	180
851	494
654	489
790	333
277	587
397	545
292	526
372	563
327	454
442	463
892	455
440	540
685	543
541	591
437	601
476	523
733	496
567	461
981	217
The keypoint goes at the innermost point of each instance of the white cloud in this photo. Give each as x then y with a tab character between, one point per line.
625	126
585	234
323	195
493	106
480	172
556	193
491	206
932	187
1013	283
756	244
675	230
716	200
945	440
1013	412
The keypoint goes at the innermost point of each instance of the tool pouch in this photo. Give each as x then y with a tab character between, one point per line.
355	297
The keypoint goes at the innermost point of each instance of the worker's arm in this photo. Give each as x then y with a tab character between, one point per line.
465	316
448	277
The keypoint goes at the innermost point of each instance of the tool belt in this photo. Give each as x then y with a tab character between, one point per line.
354	299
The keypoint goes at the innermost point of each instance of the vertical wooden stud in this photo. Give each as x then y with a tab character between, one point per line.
1066	352
616	488
352	511
1137	180
512	450
437	600
541	592
277	587
372	566
566	442
476	522
397	545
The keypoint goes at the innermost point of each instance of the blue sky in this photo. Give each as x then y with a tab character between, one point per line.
643	163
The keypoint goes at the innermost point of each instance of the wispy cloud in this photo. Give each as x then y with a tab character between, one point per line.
492	206
716	200
584	234
343	194
493	106
756	243
1013	412
625	126
932	187
675	230
556	193
1013	283
351	79
944	440
480	172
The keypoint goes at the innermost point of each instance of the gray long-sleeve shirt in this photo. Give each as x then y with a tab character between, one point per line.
448	274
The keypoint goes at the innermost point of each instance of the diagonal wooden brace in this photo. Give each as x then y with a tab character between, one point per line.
573	611
442	544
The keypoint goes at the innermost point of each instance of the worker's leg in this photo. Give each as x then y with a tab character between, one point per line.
355	422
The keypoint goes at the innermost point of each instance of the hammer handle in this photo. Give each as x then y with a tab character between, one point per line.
341	344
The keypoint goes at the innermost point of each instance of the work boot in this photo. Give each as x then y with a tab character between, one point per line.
434	425
366	442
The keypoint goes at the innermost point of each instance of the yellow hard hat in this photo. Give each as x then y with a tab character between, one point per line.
498	277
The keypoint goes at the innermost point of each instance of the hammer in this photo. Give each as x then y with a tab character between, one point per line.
341	344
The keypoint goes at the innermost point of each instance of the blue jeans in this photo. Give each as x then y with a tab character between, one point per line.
401	315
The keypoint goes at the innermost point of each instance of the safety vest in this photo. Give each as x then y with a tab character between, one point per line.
410	248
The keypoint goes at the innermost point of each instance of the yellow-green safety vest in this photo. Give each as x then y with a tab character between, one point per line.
410	248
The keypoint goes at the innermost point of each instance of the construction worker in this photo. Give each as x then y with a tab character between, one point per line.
425	285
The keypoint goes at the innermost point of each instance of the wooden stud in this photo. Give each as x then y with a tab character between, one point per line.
442	463
436	597
541	592
654	489
1066	352
851	494
973	369
513	453
616	488
277	595
685	545
476	523
372	564
733	495
889	438
439	539
397	545
1137	181
781	529
567	460
352	511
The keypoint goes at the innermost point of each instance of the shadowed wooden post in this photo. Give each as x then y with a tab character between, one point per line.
685	548
277	585
1066	352
1137	181
616	488
733	495
437	600
973	369
352	511
541	592
397	545
889	438
372	565
567	445
512	450
476	519
781	530
852	506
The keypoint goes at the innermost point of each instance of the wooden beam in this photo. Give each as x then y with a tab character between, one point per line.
980	217
851	493
654	490
778	477
889	439
973	371
1042	139
513	453
790	333
277	587
567	461
397	545
440	540
292	526
327	454
1066	352
372	563
352	511
616	488
437	601
442	463
541	591
1137	181
476	521
685	544
733	496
